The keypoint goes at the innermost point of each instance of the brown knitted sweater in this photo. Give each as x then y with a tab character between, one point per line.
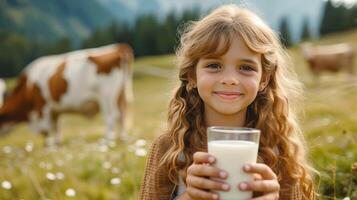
157	186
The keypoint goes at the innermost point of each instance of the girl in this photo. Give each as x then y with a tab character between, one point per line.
233	72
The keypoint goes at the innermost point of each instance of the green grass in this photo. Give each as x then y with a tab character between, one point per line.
329	124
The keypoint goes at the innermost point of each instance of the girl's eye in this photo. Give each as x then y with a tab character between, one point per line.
213	66
246	68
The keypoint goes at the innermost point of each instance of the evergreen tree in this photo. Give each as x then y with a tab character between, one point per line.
167	36
327	19
305	34
146	35
61	46
15	50
337	17
285	32
352	17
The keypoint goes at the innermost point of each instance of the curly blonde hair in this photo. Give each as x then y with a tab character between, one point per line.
274	111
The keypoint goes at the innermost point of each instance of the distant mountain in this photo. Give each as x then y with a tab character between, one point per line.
47	20
127	11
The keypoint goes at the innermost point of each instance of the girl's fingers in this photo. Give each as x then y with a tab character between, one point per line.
206	184
261	186
257	177
207	171
203	157
200	194
272	196
261	169
266	183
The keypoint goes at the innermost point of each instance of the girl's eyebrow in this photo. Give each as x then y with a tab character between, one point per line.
248	60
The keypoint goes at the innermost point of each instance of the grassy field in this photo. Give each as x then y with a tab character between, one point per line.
84	168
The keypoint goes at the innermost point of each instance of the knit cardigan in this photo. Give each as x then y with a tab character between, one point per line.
156	184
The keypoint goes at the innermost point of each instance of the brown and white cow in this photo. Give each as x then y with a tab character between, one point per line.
83	81
331	58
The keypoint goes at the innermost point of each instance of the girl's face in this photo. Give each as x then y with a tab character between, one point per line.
228	84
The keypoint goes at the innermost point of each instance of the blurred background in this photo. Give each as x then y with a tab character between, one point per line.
83	168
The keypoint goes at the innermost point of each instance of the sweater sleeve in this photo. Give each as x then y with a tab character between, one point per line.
156	185
290	193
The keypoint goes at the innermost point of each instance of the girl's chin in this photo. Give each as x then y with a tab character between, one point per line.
224	110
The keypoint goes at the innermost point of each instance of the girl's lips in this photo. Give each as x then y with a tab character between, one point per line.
228	95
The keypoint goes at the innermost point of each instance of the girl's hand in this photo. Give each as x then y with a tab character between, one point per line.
265	181
198	179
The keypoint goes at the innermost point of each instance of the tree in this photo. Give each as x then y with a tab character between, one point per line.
15	50
285	32
60	46
146	35
338	17
167	36
305	34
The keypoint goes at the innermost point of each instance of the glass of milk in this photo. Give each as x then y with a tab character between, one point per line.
233	147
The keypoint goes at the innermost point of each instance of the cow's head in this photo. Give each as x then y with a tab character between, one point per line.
17	105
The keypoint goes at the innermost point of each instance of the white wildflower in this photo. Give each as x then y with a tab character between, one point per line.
70	192
29	146
115	181
140	143
141	152
51	176
346	198
6	185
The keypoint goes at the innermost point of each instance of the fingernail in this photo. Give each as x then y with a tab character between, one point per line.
214	196
222	174
247	167
225	187
211	159
243	186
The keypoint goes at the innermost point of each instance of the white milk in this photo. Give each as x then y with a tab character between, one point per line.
231	155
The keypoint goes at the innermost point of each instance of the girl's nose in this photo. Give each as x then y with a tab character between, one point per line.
229	78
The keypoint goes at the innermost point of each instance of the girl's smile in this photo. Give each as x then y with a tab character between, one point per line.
228	95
